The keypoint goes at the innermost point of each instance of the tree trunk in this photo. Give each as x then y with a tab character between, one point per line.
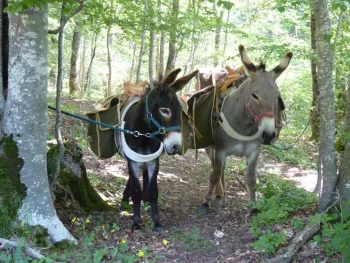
326	102
344	172
133	62
139	65
58	99
26	117
109	58
225	39
3	61
88	74
193	45
74	82
2	97
172	41
217	35
161	53
151	55
82	70
315	120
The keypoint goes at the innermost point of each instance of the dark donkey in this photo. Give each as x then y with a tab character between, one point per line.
156	117
250	116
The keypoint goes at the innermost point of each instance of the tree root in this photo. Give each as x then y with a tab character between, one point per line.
297	242
29	251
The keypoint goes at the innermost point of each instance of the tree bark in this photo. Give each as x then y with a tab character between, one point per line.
172	41
26	117
314	112
74	81
326	102
344	171
2	97
143	33
109	58
3	61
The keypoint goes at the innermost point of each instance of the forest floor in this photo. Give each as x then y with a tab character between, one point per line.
222	235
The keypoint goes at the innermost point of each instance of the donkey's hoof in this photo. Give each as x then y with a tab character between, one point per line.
158	228
136	226
204	209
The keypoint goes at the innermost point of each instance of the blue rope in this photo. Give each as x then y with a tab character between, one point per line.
94	122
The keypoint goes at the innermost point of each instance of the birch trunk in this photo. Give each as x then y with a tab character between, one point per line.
172	41
139	65
26	117
217	36
74	82
326	101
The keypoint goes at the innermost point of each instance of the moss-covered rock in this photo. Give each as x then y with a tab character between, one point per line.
12	191
73	176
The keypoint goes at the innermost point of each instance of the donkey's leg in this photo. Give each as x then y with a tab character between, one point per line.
134	170
250	176
153	169
219	159
220	189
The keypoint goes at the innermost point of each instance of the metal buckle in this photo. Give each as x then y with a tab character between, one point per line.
161	130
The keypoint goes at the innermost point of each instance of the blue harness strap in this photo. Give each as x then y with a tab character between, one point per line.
161	129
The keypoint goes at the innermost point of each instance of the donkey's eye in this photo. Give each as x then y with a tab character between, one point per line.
165	112
256	97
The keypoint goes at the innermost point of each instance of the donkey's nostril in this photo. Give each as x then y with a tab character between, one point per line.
176	148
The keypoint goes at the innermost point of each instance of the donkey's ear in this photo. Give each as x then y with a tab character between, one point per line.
165	82
248	64
182	82
277	71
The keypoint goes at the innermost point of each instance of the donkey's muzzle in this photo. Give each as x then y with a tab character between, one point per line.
172	143
268	137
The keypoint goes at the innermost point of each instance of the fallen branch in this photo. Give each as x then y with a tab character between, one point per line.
297	242
29	251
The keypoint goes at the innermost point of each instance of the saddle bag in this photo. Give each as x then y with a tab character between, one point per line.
101	140
196	123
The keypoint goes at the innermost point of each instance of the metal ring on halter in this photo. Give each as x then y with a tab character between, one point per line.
148	135
162	130
136	134
149	115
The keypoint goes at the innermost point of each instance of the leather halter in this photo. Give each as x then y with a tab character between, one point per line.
161	129
257	118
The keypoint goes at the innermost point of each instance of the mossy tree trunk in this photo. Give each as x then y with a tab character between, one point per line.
25	117
73	179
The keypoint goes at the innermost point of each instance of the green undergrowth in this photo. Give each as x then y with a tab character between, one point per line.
303	153
334	236
281	203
